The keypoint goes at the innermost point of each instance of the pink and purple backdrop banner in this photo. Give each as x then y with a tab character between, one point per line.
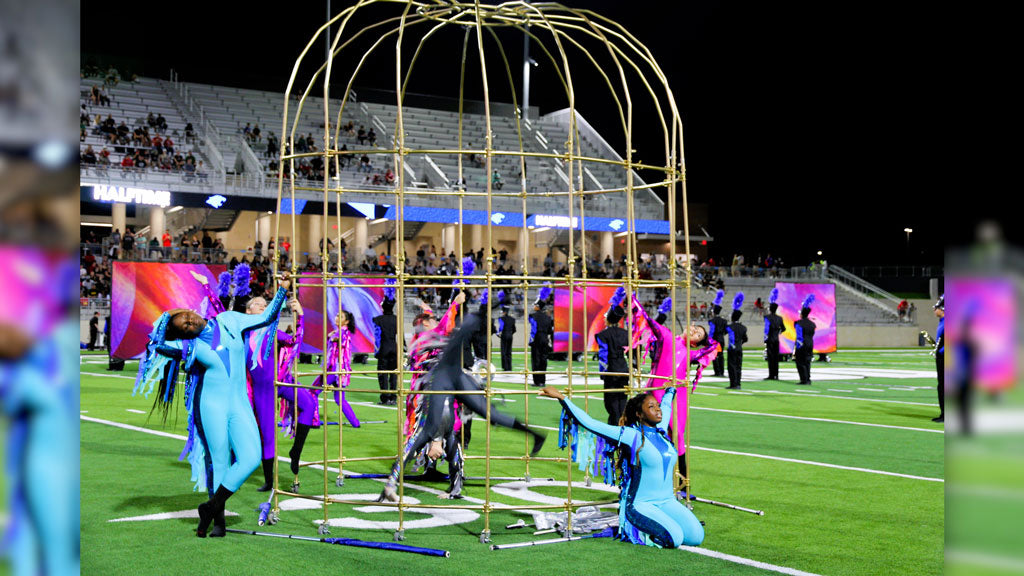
362	298
988	307
584	326
823	314
144	290
37	285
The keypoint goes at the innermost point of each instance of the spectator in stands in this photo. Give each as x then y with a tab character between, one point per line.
364	164
257	134
190	133
389	176
157	143
154	248
372	137
247	131
151	120
89	156
361	135
140	246
169	145
161	123
496	181
207	242
272	146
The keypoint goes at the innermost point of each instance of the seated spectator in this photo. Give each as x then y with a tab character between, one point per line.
103	157
272	146
247	131
496	181
157	142
361	135
377	180
372	137
151	120
190	133
389	176
89	156
169	145
127	161
256	133
364	164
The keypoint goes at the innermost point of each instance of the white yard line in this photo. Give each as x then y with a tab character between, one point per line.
822	464
815	419
746	561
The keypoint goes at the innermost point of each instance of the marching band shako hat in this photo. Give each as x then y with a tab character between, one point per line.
616	313
737	303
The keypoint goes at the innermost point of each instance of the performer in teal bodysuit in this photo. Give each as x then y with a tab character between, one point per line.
220	415
648	510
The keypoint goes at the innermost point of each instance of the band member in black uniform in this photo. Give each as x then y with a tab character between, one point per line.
716	332
774	326
737	335
940	356
611	345
506	333
804	341
542	331
385	329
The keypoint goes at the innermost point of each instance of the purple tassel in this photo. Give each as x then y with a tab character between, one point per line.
773	296
618	297
242	278
666	306
224	285
389	293
807	301
718	298
737	302
545	292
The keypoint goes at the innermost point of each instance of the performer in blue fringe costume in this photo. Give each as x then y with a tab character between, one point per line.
224	442
649	513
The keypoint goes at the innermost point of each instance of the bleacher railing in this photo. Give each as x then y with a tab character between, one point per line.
867	291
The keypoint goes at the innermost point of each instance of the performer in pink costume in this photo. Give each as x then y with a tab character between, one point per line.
657	339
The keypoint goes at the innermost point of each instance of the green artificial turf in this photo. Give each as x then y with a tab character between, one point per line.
816	519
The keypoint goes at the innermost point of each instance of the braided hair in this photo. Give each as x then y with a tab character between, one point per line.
630	418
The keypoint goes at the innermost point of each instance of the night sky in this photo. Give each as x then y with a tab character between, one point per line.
806	128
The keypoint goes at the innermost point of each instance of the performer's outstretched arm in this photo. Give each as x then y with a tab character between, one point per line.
617	434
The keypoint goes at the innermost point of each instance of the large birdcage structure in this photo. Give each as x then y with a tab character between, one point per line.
573	43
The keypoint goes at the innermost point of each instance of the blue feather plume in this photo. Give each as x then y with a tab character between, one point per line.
666	306
618	297
773	296
544	293
241	279
807	301
483	297
468	267
501	296
718	298
224	285
737	302
389	292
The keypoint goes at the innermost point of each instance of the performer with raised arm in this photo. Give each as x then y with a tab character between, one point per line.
436	419
652	336
804	350
221	421
649	512
717	330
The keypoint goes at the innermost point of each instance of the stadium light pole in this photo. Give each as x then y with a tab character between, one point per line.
908	231
526	72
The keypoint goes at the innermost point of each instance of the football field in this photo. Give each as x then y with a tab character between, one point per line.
848	471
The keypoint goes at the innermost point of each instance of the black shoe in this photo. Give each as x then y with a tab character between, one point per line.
939	419
206	515
219	526
268	475
732	387
538	443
